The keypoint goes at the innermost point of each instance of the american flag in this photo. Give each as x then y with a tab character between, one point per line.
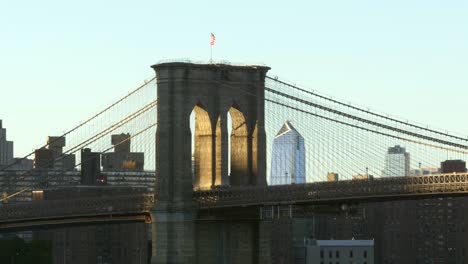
212	39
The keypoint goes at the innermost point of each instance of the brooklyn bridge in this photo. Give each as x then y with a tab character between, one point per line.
206	132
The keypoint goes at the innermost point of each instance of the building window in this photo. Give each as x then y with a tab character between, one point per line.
330	255
350	253
365	253
337	254
321	253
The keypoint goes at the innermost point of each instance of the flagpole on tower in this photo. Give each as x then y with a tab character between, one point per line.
212	42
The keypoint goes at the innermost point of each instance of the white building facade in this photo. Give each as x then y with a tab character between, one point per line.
287	157
337	252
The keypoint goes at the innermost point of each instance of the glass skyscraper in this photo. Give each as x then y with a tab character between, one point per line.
397	162
287	157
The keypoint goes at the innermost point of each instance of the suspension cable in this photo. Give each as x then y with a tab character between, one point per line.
369	130
360	119
366	111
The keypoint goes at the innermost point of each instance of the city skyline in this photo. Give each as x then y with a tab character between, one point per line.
404	55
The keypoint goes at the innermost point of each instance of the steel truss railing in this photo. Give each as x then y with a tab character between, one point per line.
341	191
349	191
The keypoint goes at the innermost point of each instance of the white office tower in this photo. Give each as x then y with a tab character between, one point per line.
397	162
287	157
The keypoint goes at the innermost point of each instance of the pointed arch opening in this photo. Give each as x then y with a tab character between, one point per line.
221	171
255	153
239	174
202	148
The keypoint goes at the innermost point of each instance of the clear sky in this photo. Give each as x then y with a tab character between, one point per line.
61	61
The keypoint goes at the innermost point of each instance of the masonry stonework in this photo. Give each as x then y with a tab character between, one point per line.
211	91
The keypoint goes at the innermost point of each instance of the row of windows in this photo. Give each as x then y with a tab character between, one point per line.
337	254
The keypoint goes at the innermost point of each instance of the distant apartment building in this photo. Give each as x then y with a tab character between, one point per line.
52	157
287	157
447	166
123	167
332	177
362	177
122	159
397	162
451	166
424	171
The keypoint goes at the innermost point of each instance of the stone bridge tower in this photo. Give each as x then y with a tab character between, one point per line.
211	91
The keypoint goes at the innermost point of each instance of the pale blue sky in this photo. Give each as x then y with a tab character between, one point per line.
405	58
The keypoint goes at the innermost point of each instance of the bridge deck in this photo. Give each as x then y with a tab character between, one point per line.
377	189
139	206
87	209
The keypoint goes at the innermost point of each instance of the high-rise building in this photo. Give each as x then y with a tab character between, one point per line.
90	167
6	148
287	157
7	161
397	162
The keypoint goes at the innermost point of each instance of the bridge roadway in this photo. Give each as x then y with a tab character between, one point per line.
342	192
137	207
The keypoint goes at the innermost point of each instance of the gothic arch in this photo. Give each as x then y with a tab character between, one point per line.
202	163
239	148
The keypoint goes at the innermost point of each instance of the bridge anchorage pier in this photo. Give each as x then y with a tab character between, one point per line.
211	91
